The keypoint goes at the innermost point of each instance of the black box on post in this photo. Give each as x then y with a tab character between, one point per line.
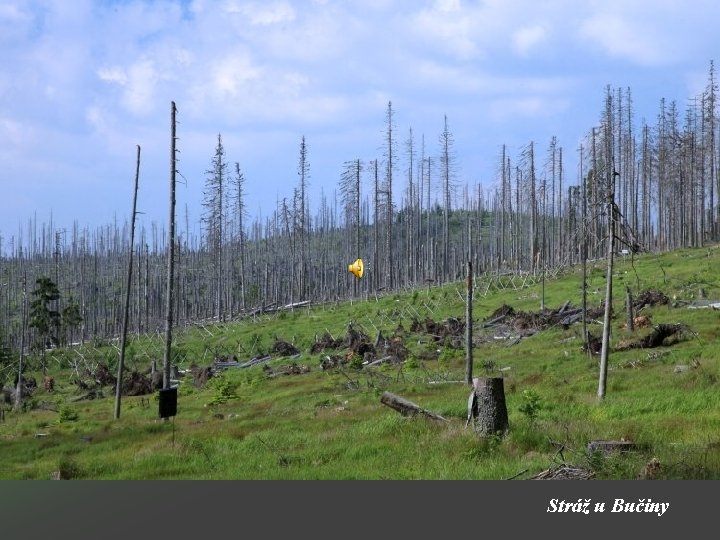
168	402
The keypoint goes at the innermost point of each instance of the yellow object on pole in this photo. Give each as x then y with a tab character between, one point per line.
357	268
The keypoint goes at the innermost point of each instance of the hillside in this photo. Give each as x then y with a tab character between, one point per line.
307	403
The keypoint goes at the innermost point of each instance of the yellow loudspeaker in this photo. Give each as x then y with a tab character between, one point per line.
357	268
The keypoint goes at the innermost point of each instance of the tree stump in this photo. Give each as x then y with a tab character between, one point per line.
487	406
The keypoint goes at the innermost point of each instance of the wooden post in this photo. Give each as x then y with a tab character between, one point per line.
629	309
468	327
487	406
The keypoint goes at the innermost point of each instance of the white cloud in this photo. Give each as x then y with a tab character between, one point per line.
15	134
625	38
232	75
525	107
113	74
446	27
262	13
527	38
15	21
138	82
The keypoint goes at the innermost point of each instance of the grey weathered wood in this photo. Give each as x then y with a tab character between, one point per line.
468	326
605	350
407	408
170	282
126	310
487	406
629	310
608	447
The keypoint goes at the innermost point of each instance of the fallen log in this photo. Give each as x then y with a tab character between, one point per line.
494	322
378	361
407	408
297	304
609	447
255	361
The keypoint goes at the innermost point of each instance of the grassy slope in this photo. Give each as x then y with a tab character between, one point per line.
331	425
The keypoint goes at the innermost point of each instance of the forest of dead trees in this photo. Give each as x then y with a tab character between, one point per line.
403	212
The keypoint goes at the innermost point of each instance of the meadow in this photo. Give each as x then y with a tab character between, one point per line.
290	417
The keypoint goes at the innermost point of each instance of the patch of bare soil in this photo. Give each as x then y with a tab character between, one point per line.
448	332
393	348
283	348
659	337
201	375
325	342
507	318
136	384
357	341
650	298
103	376
333	361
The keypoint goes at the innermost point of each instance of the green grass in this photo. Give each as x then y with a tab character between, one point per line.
331	425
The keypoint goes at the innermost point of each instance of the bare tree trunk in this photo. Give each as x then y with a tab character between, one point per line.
19	386
171	255
468	327
605	350
389	275
376	231
584	259
121	362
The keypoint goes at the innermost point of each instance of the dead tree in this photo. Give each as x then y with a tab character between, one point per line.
468	327
605	351
126	313
19	386
171	254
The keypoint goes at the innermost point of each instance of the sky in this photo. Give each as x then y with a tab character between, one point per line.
83	83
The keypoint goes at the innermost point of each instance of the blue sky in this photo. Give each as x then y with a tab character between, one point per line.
83	82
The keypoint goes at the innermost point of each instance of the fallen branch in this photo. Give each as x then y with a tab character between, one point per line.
493	322
378	361
518	474
407	408
564	472
255	361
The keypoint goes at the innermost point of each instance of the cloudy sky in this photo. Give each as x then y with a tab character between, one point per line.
83	82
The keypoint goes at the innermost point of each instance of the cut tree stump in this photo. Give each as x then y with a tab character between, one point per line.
407	408
486	406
